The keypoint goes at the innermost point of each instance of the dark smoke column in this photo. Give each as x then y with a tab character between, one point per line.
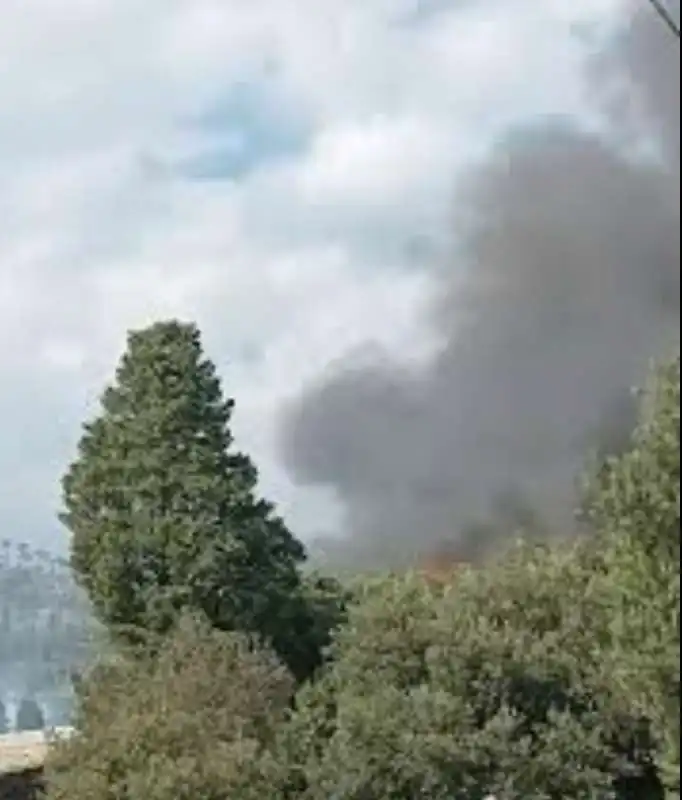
571	257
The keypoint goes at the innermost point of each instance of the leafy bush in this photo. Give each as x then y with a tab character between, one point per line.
634	503
552	674
492	686
185	723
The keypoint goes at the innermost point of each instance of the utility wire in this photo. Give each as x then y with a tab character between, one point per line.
665	15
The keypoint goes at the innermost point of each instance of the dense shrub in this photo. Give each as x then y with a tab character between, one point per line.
495	686
552	674
184	724
634	503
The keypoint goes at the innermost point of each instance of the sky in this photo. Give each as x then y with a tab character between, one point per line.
282	172
561	284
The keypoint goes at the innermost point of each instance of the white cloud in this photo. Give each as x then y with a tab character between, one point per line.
286	266
375	163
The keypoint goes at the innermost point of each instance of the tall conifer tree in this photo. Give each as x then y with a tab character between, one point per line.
164	514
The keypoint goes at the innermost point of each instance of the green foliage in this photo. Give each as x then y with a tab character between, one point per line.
183	723
635	505
29	716
635	497
552	674
164	515
492	686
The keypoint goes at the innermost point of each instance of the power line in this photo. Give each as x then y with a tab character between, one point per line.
665	15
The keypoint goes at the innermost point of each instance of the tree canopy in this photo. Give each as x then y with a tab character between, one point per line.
189	722
634	504
551	673
164	513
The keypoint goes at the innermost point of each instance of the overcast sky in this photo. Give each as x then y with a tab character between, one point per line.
276	170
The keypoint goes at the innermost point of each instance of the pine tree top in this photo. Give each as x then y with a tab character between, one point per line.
163	512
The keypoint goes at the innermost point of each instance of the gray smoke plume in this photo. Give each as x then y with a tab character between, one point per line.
571	255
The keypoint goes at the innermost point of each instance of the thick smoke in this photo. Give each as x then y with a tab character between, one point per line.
570	251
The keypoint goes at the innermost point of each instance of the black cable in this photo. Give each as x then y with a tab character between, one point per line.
665	15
